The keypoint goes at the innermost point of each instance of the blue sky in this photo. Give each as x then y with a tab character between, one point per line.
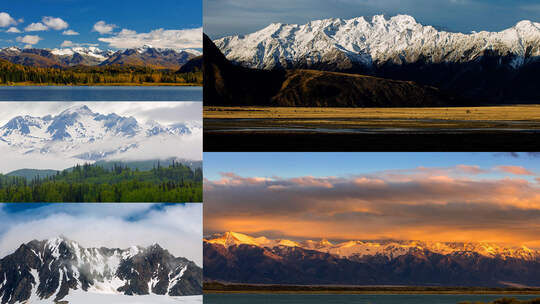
81	16
289	165
227	17
175	227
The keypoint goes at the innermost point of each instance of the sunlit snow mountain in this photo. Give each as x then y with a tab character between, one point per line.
58	268
80	133
236	257
342	43
93	56
481	67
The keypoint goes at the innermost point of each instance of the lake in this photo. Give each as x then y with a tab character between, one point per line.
99	93
351	299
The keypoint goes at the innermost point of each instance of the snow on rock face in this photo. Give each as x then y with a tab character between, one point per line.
79	126
390	249
397	40
59	268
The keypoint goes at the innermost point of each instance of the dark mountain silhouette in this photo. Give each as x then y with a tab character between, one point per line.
226	84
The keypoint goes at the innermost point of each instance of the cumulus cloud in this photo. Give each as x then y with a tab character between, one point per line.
13	30
103	28
375	206
161	38
36	27
6	20
55	23
30	40
69	43
177	228
70	33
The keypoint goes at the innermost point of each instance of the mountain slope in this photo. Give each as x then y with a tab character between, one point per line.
399	39
239	258
226	84
79	127
30	174
499	66
54	268
146	56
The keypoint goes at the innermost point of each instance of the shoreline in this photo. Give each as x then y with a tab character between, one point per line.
149	84
218	288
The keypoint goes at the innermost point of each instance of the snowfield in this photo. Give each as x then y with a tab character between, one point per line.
369	43
78	135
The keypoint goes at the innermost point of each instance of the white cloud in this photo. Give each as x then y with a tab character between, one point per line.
177	228
29	39
55	23
13	30
70	33
103	28
36	27
6	20
67	43
177	39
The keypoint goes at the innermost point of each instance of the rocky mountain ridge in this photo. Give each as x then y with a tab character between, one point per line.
54	268
146	56
390	249
238	258
399	40
79	125
485	67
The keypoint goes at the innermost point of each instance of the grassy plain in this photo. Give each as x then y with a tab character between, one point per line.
506	117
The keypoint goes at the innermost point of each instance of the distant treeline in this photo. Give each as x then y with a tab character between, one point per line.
92	183
218	287
14	73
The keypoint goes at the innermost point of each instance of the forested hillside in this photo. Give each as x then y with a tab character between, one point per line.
93	183
12	74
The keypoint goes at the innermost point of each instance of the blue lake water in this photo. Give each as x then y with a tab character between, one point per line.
99	93
352	299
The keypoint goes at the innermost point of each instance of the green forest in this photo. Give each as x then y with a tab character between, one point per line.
12	74
93	183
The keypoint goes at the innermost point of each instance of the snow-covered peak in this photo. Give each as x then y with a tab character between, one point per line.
398	40
234	239
390	249
79	109
12	49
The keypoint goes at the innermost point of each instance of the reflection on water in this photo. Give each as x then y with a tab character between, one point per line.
99	93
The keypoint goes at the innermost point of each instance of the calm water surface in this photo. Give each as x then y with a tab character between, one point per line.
99	93
352	299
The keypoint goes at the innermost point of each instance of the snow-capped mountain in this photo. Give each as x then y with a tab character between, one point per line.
81	133
93	56
235	257
55	268
339	44
390	249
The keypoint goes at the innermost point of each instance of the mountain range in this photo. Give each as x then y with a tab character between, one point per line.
229	84
146	56
489	66
55	268
239	258
81	133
